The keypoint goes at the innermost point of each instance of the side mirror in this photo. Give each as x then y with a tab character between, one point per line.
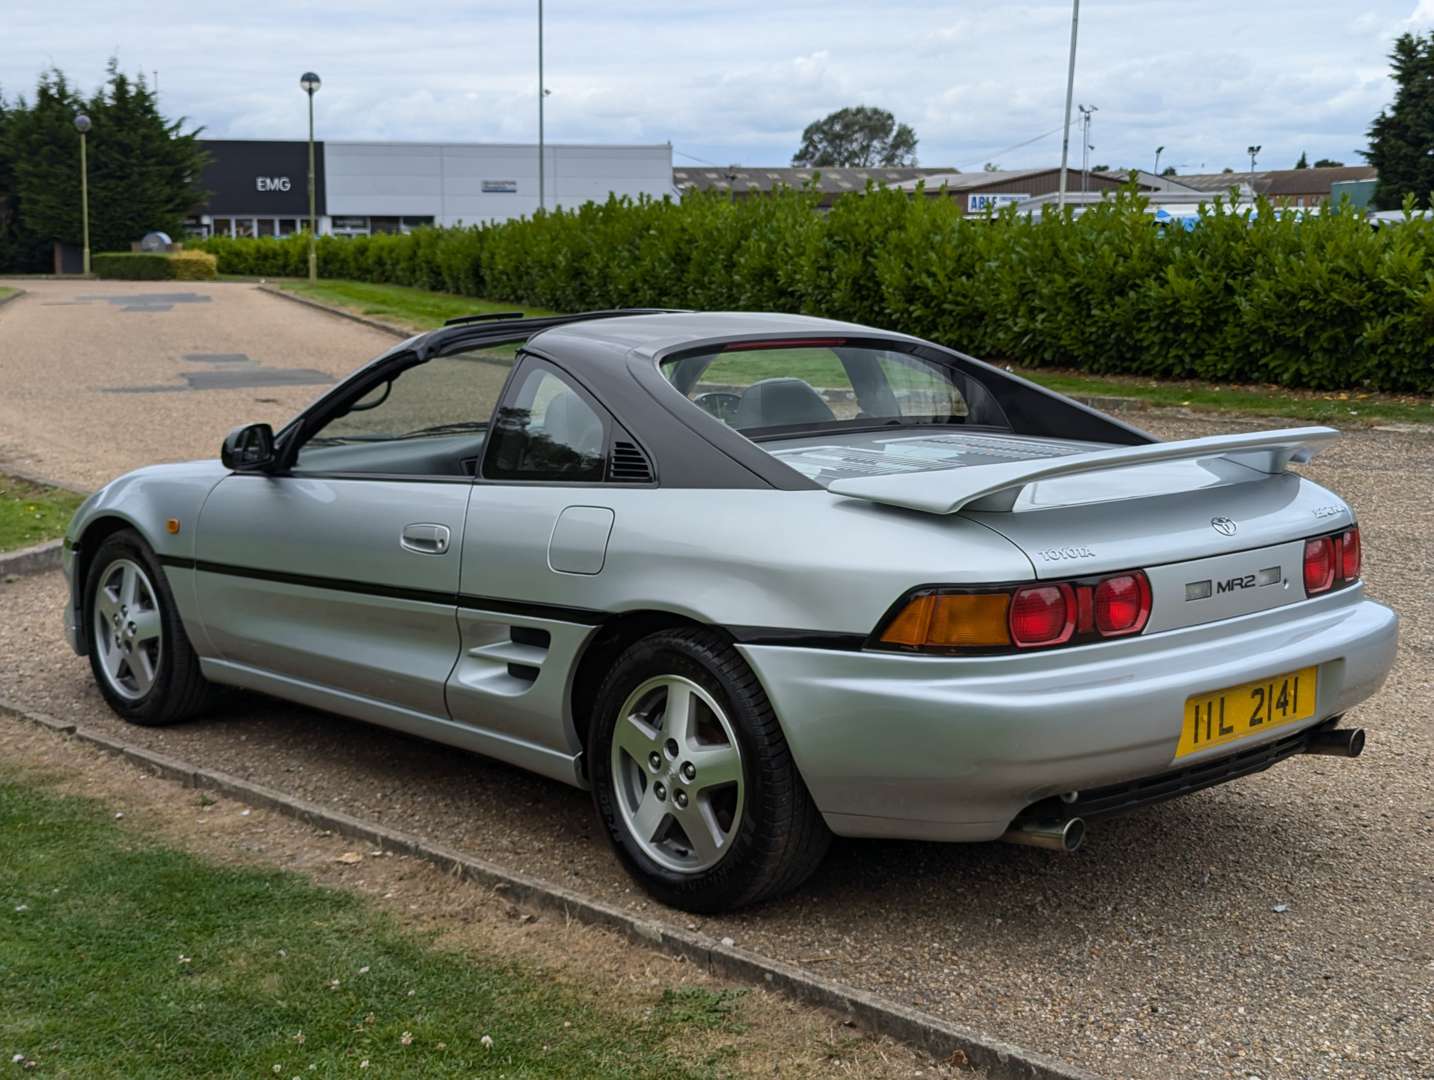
248	448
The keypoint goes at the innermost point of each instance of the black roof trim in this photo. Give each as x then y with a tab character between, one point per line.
472	332
484	317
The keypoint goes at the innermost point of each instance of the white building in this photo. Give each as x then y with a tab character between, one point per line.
260	187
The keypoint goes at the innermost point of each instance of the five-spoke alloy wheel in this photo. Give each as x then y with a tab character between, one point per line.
693	778
126	631
139	653
677	767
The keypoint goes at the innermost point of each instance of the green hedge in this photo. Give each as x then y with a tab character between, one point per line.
132	265
1325	302
155	266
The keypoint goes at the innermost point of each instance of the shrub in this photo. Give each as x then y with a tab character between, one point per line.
193	266
1247	296
131	265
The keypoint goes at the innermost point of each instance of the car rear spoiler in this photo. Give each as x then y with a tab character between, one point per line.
996	487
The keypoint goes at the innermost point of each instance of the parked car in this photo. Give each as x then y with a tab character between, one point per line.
754	579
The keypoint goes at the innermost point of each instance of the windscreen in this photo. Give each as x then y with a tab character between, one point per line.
792	388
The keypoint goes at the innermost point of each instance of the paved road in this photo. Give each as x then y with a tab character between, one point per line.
104	376
1157	951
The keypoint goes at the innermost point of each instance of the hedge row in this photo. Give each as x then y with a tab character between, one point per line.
1325	302
155	266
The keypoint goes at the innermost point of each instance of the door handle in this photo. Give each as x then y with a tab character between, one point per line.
424	538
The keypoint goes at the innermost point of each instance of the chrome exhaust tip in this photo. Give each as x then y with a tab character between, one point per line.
1337	742
1055	835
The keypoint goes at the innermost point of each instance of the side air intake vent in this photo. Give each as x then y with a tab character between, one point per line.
629	464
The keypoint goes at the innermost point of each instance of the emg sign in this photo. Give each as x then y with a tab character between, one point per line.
980	202
271	183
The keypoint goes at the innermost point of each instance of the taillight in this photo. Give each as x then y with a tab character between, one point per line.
1319	565
1042	615
1351	555
1033	616
1122	604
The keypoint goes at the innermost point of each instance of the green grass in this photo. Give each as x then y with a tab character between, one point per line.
31	514
419	309
5	291
422	309
120	957
1332	407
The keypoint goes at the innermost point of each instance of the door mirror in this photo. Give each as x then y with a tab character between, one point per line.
248	448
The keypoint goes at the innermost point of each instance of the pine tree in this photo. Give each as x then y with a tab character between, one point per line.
1303	162
144	170
1401	139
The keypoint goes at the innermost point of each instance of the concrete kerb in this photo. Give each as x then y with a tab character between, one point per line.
12	296
875	1014
376	324
32	560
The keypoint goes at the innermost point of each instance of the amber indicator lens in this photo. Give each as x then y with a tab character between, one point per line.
973	620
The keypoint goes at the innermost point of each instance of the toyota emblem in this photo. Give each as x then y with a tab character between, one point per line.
1223	525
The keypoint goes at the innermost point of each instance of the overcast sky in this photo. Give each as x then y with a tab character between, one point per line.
736	81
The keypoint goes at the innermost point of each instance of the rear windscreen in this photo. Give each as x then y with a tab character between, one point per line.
792	388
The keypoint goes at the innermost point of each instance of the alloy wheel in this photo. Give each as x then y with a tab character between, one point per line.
127	629
677	770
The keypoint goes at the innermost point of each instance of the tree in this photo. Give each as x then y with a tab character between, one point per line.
1303	162
1169	170
144	170
1328	163
1401	139
1225	170
990	166
857	136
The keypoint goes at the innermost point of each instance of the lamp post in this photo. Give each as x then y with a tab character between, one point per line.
542	93
310	82
1086	148
1158	151
82	125
1070	90
1252	151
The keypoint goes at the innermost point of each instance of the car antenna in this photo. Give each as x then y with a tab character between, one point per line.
483	318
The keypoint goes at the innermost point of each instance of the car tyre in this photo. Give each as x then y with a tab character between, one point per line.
139	653
717	817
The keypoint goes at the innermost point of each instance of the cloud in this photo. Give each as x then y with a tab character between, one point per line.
738	81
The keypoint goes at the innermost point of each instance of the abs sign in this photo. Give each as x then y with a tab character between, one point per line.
271	183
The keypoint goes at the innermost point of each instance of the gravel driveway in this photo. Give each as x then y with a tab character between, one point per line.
1280	926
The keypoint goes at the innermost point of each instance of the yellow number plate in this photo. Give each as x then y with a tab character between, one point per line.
1237	711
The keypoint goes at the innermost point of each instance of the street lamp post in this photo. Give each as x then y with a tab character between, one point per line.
82	125
1158	151
542	93
310	82
1252	151
1070	90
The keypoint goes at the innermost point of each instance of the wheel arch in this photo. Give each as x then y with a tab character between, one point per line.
612	639
95	532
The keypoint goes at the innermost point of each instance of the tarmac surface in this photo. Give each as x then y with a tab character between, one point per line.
1279	926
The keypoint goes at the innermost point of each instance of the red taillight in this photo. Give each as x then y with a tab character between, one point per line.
1122	604
1351	555
1319	565
1042	615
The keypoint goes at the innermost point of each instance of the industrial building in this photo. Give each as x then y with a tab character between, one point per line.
260	187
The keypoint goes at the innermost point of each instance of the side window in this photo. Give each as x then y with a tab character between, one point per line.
430	419
545	430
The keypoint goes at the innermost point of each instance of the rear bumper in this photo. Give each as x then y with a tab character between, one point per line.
955	748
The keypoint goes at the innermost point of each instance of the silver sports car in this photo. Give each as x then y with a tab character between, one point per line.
755	579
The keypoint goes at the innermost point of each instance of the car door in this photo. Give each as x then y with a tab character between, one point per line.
341	572
534	546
